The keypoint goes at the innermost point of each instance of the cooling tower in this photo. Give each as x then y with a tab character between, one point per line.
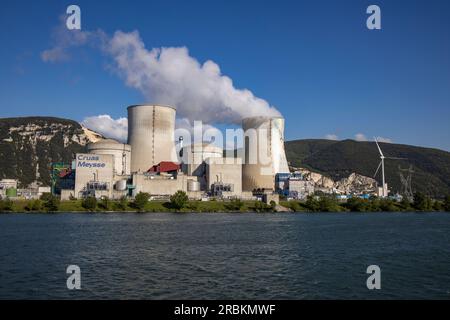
264	152
151	135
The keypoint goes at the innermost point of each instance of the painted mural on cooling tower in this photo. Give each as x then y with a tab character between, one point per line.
94	174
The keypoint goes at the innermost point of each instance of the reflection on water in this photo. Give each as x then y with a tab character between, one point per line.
225	256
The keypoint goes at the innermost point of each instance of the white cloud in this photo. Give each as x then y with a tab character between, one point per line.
107	126
331	137
360	137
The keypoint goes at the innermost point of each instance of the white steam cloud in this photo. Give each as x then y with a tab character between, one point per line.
171	76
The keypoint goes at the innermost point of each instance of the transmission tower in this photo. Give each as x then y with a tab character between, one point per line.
405	178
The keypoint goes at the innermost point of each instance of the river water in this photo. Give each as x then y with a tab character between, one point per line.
225	255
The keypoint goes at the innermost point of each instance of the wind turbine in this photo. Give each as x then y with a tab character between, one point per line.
382	157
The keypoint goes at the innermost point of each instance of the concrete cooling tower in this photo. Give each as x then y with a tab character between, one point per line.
264	152
151	135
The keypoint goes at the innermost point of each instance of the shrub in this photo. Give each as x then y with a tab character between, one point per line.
358	205
312	204
104	203
447	203
121	205
260	206
328	204
141	200
179	199
51	202
6	205
421	202
273	205
34	205
234	205
89	203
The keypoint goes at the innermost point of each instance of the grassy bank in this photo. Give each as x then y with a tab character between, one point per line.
180	203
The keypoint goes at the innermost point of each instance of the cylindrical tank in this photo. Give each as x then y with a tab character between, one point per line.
151	135
264	155
11	192
121	185
193	185
120	151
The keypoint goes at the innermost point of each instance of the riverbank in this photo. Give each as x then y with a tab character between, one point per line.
324	204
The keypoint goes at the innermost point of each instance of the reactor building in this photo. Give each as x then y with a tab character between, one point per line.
149	162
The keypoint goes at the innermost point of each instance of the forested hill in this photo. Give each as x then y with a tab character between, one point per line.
338	159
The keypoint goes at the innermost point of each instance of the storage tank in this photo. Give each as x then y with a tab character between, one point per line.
11	192
193	185
120	151
264	154
121	185
151	135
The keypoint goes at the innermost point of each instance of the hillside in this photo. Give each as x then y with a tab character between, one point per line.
338	159
29	145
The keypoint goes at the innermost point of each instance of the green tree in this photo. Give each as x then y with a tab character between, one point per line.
447	203
121	205
273	205
387	205
235	205
6	205
328	204
51	202
356	204
34	205
89	203
46	196
438	205
179	199
405	205
421	202
312	204
141	200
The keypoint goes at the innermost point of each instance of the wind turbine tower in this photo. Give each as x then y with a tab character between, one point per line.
384	188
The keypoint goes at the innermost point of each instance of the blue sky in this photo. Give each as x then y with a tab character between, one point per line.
315	61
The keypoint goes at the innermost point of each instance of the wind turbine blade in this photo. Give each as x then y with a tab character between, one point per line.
394	158
379	165
379	149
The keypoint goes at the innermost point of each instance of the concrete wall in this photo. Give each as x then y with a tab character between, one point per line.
93	167
225	170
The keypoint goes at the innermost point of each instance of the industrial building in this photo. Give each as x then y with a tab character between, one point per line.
149	162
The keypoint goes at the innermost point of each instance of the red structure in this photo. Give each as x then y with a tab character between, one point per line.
165	166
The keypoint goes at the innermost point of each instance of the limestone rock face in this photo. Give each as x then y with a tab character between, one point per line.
354	183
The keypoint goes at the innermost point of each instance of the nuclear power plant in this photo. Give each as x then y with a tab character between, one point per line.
154	163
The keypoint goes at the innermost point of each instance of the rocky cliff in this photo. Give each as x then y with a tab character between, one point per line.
29	145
